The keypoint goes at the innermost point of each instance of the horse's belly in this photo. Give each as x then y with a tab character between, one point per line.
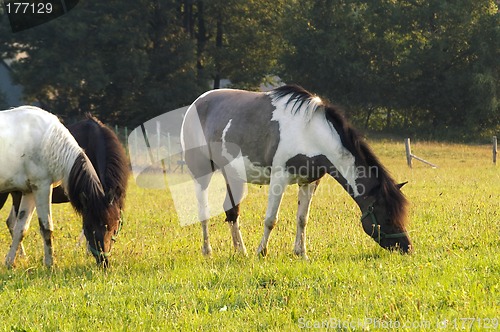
243	169
11	170
20	171
13	183
257	174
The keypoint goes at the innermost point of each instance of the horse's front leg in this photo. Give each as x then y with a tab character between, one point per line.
279	181
21	226
43	196
306	193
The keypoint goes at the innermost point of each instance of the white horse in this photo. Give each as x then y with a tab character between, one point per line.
37	153
286	136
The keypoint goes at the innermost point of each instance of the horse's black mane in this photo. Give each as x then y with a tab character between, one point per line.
296	94
116	164
111	168
84	189
353	141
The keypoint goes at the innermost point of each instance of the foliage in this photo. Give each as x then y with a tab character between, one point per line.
422	67
427	64
105	58
127	65
250	41
159	280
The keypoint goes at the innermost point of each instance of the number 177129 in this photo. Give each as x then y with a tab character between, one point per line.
28	8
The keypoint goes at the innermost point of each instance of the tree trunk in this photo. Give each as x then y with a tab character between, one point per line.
218	46
388	122
368	116
201	40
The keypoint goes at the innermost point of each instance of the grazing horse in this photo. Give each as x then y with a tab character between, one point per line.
286	136
108	157
37	152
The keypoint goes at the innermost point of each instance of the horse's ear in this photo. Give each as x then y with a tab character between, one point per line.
110	196
400	185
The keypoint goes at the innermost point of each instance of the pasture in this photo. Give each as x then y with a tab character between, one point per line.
159	281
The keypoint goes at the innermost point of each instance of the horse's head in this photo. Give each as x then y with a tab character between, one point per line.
383	219
101	229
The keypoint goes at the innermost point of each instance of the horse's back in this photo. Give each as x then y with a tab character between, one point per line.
22	131
24	125
29	115
220	106
242	118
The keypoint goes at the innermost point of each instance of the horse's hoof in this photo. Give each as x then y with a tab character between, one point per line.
240	250
9	263
206	250
262	252
302	254
48	263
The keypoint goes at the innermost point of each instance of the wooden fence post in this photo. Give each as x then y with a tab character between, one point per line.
495	150
410	156
158	139
169	148
408	152
125	141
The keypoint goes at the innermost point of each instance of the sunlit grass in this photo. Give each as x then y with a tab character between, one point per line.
159	280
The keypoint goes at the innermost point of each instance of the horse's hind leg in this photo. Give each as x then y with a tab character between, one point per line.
304	203
201	186
43	197
11	219
21	226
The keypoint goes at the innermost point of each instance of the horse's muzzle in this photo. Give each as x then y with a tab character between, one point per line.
402	245
102	260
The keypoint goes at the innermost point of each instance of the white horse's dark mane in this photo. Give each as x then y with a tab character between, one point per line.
85	191
296	94
116	170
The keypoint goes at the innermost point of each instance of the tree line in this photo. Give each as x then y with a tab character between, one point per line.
420	66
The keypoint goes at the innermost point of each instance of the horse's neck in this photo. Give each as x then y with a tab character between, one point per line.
366	180
60	152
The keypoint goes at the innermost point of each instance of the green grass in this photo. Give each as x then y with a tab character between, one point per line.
159	280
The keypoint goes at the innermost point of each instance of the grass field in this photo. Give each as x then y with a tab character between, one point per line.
159	280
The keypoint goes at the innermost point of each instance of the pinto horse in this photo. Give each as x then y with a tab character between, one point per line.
286	136
37	153
108	157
